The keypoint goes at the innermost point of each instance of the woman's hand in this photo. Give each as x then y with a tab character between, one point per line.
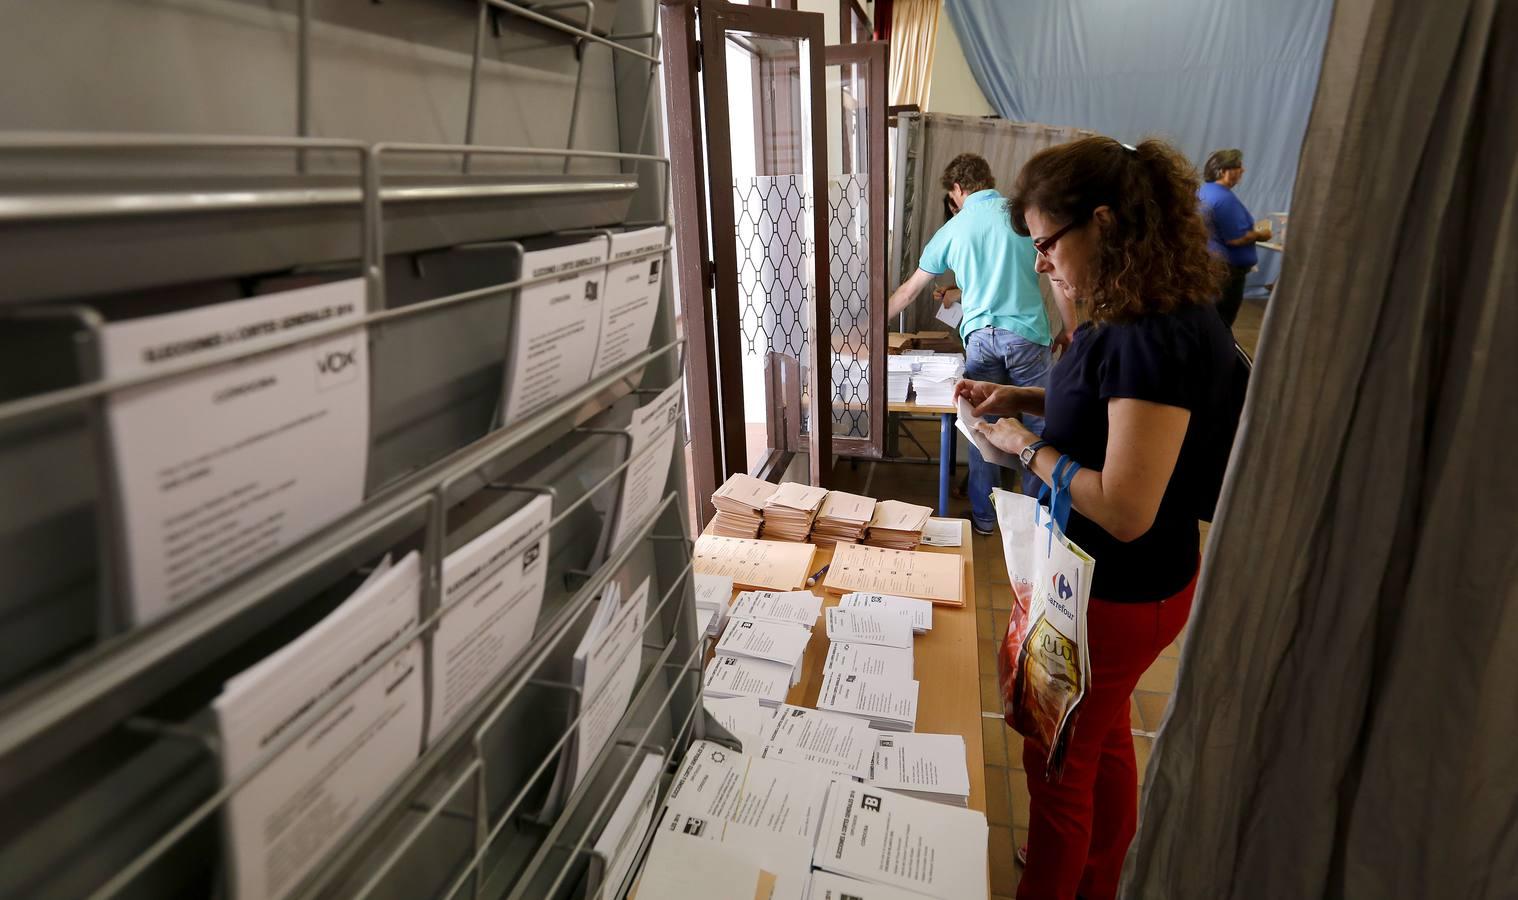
989	399
1009	434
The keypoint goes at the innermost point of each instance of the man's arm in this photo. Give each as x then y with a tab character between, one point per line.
908	291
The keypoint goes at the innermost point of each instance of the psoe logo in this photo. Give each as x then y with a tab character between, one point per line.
337	363
1062	586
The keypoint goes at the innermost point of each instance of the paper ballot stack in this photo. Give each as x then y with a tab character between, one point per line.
791	607
842	519
887	702
936	376
869	625
712	595
926	766
918	612
740	503
867	659
897	525
841	744
887	838
828	886
738	676
898	378
788	513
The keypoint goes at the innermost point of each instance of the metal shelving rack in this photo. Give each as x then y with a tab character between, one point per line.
468	819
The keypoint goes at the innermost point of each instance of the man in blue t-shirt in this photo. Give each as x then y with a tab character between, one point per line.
1231	234
1006	332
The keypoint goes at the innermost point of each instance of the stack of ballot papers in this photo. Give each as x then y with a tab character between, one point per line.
828	886
606	672
765	641
935	377
867	659
744	717
897	525
791	607
869	625
926	766
789	511
840	744
898	378
882	837
740	503
712	595
918	612
617	848
740	676
887	702
764	812
842	519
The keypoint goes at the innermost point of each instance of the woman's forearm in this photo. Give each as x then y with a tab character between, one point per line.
1089	499
1031	400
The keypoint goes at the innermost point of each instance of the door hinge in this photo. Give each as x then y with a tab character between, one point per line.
711	274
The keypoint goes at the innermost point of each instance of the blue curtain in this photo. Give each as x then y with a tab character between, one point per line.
1206	74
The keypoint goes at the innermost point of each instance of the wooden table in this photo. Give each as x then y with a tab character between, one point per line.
946	444
944	662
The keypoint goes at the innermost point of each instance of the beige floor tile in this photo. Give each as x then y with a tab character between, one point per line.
990	697
999	622
985	627
993	739
998	798
1019	837
1018	784
1151	707
1003	861
1000	594
1160	677
1014	750
985	655
999	566
1141	750
1135	720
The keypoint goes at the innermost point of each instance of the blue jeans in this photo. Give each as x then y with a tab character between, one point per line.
1003	357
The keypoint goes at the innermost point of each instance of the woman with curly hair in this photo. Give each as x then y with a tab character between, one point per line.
1137	401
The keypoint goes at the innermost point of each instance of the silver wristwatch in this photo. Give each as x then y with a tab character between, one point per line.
1031	451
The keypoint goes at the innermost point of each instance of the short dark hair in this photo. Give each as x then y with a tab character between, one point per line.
971	172
1221	161
1154	258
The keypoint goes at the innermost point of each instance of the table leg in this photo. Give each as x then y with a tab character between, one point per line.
945	462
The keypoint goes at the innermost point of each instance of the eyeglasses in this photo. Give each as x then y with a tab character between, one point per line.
1044	245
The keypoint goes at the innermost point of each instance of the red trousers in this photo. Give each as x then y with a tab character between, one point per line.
1080	827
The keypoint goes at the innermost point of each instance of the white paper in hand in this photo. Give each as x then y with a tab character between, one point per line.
950	315
966	422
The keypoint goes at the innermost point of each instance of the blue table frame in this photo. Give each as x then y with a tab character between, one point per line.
947	444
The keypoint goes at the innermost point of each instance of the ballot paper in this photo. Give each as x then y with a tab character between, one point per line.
942	532
950	315
789	511
606	671
713	592
282	821
897	525
869	625
918	612
841	744
842	518
652	447
616	849
929	766
739	505
694	857
706	622
868	659
792	607
735	676
220	469
731	788
888	702
493	588
938	577
898	377
935	376
744	717
556	326
757	639
828	886
878	836
632	297
775	565
966	422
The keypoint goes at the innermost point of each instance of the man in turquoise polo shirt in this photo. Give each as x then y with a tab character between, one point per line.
1005	329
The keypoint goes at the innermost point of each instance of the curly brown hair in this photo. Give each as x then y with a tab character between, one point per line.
1154	257
972	173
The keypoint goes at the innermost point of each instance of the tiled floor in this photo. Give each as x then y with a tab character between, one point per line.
1006	787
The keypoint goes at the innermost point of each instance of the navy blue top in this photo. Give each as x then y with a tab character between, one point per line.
1227	220
1180	359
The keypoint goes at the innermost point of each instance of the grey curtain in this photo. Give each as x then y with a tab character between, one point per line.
1346	720
924	145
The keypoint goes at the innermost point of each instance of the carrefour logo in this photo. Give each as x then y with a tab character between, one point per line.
1062	586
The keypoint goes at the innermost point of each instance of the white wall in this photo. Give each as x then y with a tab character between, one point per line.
953	88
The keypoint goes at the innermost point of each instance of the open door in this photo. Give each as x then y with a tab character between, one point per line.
765	134
856	241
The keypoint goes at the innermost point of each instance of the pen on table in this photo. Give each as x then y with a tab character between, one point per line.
816	575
